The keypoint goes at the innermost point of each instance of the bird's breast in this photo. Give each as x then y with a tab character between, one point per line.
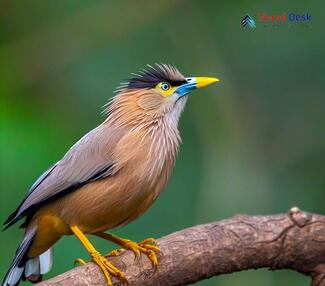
147	170
148	154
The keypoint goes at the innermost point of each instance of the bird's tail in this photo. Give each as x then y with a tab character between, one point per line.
24	268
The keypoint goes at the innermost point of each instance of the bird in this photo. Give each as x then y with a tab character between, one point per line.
108	178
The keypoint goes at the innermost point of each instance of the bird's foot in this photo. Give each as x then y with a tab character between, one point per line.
107	268
148	247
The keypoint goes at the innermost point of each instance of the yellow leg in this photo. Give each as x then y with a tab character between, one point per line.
147	246
106	267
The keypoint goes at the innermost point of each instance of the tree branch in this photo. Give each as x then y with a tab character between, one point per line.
295	240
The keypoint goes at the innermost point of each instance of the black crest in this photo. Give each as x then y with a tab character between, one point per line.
152	75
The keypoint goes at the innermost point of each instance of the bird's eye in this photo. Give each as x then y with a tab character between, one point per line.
165	86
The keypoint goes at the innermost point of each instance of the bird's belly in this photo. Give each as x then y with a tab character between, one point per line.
104	204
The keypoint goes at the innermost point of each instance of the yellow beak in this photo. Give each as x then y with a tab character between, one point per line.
194	83
204	81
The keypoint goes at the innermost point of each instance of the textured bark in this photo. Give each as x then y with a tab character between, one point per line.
295	241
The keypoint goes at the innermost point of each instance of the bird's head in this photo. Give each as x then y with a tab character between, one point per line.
157	92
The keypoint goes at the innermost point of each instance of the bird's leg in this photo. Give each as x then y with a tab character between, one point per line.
147	246
107	268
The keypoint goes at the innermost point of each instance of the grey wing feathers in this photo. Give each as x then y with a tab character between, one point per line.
88	160
42	178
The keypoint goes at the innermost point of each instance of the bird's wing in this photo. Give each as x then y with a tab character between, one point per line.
88	160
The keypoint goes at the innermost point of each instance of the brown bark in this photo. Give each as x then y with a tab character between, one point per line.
295	241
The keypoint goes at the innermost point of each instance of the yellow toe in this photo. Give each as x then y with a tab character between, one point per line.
108	269
80	261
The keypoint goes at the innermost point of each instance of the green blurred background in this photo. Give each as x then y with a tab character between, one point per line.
254	143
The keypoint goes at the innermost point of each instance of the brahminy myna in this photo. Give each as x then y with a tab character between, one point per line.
109	177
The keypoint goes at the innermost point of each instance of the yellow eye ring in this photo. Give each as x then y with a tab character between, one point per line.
165	86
